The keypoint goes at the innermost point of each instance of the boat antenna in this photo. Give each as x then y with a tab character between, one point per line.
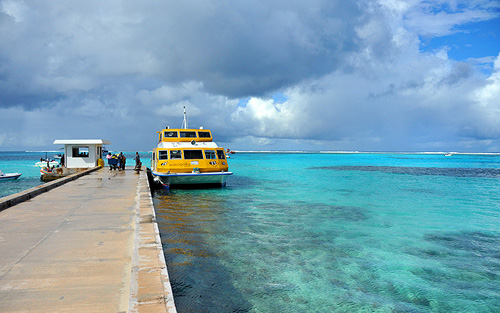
185	123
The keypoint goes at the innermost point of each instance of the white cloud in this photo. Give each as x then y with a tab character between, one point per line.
485	107
267	118
443	23
489	95
15	9
170	93
352	73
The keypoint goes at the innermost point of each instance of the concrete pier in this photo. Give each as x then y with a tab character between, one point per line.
89	245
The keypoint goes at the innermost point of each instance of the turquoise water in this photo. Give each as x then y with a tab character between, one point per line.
329	233
20	162
24	162
338	233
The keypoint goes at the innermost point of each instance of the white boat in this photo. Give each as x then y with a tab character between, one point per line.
44	163
9	176
186	156
51	163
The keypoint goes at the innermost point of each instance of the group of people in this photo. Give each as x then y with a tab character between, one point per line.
118	161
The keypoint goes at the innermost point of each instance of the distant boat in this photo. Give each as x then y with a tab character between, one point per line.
9	176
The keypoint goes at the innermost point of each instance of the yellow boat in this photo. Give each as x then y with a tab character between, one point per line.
187	156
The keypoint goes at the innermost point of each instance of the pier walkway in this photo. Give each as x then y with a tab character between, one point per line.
90	245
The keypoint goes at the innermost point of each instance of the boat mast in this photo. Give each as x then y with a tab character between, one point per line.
184	123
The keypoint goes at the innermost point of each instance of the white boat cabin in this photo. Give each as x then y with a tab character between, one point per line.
82	153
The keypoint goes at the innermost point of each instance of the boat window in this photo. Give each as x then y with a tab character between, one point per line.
204	134
175	154
163	154
170	134
210	154
220	154
80	152
188	134
193	154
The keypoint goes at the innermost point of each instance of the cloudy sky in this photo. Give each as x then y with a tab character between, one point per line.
367	75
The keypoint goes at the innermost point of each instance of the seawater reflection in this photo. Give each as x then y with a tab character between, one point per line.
187	219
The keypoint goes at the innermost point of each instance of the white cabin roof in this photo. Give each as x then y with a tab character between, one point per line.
82	142
177	144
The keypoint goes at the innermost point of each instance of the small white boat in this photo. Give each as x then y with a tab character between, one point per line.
47	162
44	164
9	176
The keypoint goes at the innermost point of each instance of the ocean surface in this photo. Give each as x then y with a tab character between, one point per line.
338	233
20	162
305	232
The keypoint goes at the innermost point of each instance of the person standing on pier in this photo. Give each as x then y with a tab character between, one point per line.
137	159
120	161
124	160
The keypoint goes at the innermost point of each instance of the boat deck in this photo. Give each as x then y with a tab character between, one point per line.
90	245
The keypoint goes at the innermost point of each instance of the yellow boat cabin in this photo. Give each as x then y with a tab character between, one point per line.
188	156
188	151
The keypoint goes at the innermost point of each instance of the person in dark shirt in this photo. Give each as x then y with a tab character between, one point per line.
137	159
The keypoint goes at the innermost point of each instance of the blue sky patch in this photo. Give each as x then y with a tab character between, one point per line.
474	40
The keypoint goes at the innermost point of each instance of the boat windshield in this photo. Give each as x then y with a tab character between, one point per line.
210	154
193	154
175	154
170	134
163	155
188	134
220	154
204	134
